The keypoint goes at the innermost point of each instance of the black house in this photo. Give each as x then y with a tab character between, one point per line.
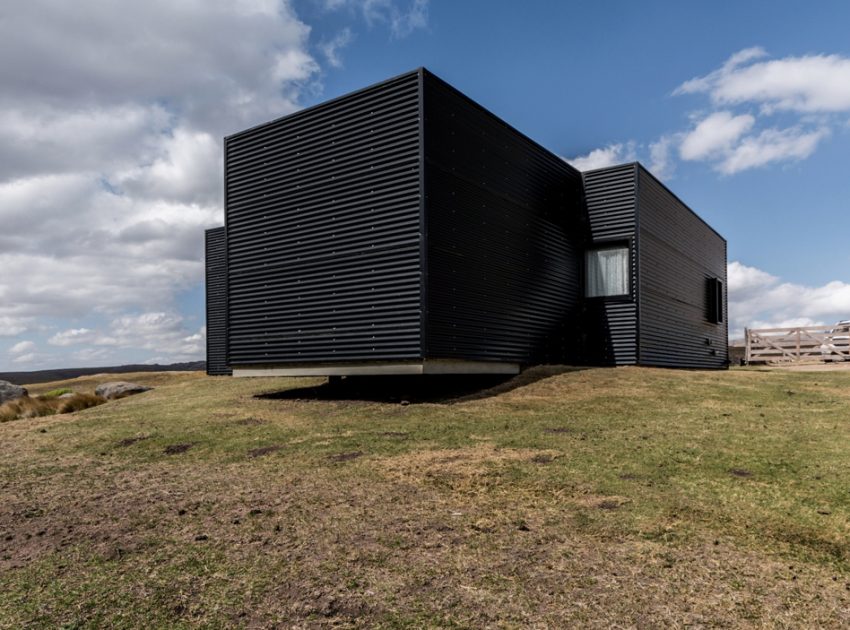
404	229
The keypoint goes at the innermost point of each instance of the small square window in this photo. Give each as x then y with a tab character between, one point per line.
607	271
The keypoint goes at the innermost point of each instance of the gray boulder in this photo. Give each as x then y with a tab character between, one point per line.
10	391
119	389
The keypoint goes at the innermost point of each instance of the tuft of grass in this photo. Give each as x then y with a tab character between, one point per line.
78	402
26	407
38	407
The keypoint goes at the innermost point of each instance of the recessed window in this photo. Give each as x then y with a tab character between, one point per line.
607	271
714	294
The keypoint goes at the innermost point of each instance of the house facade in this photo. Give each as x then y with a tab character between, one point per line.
404	229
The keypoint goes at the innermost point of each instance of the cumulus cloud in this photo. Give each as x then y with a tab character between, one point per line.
797	86
24	353
110	157
11	326
721	137
771	145
163	332
758	299
608	156
811	83
714	133
72	336
814	89
22	347
28	358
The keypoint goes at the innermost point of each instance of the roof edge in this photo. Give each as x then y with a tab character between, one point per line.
418	71
478	105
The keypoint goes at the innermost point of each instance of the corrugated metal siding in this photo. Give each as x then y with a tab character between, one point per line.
324	243
611	325
216	281
678	253
502	253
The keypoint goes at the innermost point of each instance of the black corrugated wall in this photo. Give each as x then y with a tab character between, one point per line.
678	253
610	325
502	237
216	283
405	222
324	231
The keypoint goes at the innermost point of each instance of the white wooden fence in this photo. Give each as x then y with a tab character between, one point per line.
805	343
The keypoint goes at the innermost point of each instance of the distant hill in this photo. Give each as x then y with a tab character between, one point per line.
45	376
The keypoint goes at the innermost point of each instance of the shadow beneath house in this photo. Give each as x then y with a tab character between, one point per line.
416	389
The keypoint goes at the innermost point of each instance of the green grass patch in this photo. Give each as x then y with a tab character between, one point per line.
55	393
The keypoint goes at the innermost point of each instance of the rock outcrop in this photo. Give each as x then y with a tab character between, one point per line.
119	389
10	391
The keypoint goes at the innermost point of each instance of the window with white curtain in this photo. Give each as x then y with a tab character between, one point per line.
607	271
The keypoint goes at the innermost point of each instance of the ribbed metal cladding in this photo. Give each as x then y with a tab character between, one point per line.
679	253
216	301
324	231
502	229
611	325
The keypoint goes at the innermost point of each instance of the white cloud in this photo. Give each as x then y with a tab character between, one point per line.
91	355
161	332
660	159
743	280
705	83
11	326
38	139
22	347
72	336
801	87
110	157
720	137
402	17
181	172
758	299
811	83
714	133
331	49
30	357
608	156
771	145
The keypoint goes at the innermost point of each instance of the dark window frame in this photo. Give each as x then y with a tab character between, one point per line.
715	300
614	243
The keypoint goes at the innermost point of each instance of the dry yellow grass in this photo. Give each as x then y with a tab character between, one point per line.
28	407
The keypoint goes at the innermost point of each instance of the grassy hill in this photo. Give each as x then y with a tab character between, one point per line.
598	497
57	374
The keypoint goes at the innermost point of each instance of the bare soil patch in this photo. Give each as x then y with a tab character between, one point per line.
176	449
132	440
345	457
264	450
250	422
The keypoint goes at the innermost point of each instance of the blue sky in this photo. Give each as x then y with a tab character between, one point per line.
110	137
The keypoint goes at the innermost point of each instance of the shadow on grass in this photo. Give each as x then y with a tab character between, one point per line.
414	389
